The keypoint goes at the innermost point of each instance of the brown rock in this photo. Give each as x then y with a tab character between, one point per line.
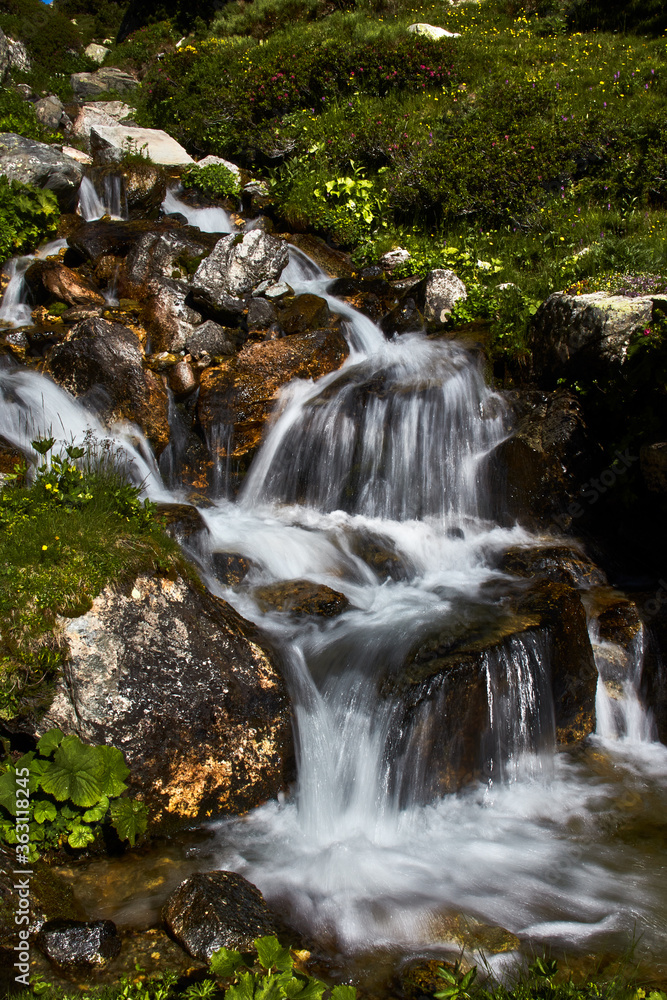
231	568
243	391
301	598
182	378
560	563
305	312
188	690
51	279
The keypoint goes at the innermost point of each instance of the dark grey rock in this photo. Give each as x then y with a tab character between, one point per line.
212	339
36	163
75	944
261	314
235	267
212	910
102	81
49	111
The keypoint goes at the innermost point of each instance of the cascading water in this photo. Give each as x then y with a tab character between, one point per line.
15	310
619	710
211	219
113	203
372	481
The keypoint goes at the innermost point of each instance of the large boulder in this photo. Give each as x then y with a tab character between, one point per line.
103	81
431	31
32	162
587	333
236	266
212	340
442	290
219	909
18	56
110	143
242	392
97	53
100	113
49	111
102	361
187	689
168	316
301	598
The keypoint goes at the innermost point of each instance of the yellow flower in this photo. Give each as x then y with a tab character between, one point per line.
44	548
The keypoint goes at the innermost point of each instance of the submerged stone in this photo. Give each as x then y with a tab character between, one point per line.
300	598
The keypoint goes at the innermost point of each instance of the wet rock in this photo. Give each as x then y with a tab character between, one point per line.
49	111
301	598
586	333
243	391
559	563
77	314
444	685
103	361
102	239
110	143
182	520
219	909
182	379
277	291
159	251
50	897
653	609
653	464
97	53
334	263
261	314
188	690
442	290
51	279
619	623
211	339
75	944
231	568
539	469
305	312
403	318
235	267
145	186
103	81
32	162
168	316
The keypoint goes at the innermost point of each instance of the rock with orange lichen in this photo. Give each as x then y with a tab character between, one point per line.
187	689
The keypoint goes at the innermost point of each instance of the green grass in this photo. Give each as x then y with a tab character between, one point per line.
76	529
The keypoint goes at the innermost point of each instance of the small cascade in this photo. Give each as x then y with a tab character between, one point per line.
15	309
113	203
212	219
619	710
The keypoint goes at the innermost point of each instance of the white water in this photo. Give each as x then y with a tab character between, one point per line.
619	710
389	454
113	202
15	310
209	220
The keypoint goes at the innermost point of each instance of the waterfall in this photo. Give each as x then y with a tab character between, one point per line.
15	310
619	710
114	203
209	220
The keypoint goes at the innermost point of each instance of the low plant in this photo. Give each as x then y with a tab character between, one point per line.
74	790
214	180
29	215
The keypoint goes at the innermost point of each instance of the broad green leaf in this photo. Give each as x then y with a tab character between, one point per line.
81	836
271	953
244	989
225	962
50	741
309	989
343	992
44	811
8	791
268	988
113	771
98	812
129	818
74	773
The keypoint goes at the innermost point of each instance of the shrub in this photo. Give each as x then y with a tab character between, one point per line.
28	216
74	791
17	115
214	180
48	34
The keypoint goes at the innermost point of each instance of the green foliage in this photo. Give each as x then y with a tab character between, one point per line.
17	115
28	216
457	984
95	19
77	527
53	42
215	180
137	52
71	785
272	977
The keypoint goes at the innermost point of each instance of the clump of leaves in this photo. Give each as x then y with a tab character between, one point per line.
214	180
271	977
29	215
74	790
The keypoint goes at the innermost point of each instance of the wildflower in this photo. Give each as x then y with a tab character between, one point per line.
44	548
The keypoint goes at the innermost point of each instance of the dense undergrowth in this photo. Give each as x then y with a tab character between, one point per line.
79	526
524	141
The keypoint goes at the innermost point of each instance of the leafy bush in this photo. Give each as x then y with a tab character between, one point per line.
28	216
140	49
74	790
215	180
48	34
79	526
17	115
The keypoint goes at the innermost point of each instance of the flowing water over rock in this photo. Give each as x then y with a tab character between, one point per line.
211	219
372	481
15	309
111	202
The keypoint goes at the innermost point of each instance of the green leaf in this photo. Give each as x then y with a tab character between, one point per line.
81	836
129	818
98	812
225	962
44	811
74	773
50	741
271	953
244	989
447	975
313	989
8	792
113	771
269	988
343	992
